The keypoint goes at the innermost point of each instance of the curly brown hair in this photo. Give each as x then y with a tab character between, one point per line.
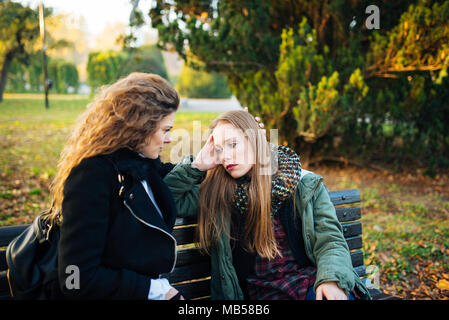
122	115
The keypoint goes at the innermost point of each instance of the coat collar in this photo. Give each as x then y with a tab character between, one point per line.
132	163
137	168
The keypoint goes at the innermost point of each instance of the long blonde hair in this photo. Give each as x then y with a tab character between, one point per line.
216	195
122	115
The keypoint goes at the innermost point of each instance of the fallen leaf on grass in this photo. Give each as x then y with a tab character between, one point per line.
443	284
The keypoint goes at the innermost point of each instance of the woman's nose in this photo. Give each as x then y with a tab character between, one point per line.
167	138
227	156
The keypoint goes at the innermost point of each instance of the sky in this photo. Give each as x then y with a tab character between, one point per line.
97	13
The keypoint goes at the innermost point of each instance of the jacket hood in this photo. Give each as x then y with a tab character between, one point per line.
309	183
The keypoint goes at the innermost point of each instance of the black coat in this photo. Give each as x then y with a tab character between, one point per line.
118	242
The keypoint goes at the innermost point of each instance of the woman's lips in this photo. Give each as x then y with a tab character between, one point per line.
231	167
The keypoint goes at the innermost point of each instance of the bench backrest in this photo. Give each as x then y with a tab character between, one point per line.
192	272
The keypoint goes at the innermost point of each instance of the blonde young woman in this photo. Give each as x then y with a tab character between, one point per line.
115	212
269	226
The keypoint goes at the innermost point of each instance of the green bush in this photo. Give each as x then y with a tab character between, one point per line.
24	78
107	66
147	59
103	67
64	75
199	84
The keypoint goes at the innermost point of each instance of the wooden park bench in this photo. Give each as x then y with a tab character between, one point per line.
191	275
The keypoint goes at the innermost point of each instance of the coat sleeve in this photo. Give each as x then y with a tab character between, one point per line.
331	251
184	183
86	213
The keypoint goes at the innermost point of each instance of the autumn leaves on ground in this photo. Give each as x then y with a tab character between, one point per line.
405	216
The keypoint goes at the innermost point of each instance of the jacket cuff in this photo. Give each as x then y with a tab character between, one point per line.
158	289
344	284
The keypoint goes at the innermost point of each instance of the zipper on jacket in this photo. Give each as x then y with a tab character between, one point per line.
154	227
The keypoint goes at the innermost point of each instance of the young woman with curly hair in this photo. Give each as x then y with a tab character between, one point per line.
114	210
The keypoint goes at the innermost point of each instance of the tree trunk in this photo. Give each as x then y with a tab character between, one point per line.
4	73
306	159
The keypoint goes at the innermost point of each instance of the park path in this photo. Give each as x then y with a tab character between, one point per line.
209	105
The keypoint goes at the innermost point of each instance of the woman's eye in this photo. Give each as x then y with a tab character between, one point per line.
232	144
217	150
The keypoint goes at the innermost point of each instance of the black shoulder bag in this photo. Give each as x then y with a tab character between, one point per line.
32	260
32	257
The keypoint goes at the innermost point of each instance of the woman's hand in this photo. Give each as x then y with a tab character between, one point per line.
172	293
331	291
206	159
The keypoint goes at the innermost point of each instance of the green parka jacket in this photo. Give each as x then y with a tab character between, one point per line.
322	233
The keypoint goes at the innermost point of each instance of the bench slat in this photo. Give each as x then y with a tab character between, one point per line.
344	196
194	289
357	258
190	256
354	242
360	270
190	272
348	214
352	229
187	235
202	270
184	235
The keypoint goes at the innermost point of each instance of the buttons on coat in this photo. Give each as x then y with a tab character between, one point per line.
131	196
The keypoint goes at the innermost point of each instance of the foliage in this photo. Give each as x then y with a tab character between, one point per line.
28	78
106	67
200	84
348	83
418	42
102	67
64	75
147	58
19	27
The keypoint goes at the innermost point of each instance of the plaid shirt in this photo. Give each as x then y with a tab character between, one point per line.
281	278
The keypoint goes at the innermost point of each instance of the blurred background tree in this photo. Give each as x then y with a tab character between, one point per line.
105	67
102	67
64	76
147	58
19	28
28	78
21	55
313	70
199	84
